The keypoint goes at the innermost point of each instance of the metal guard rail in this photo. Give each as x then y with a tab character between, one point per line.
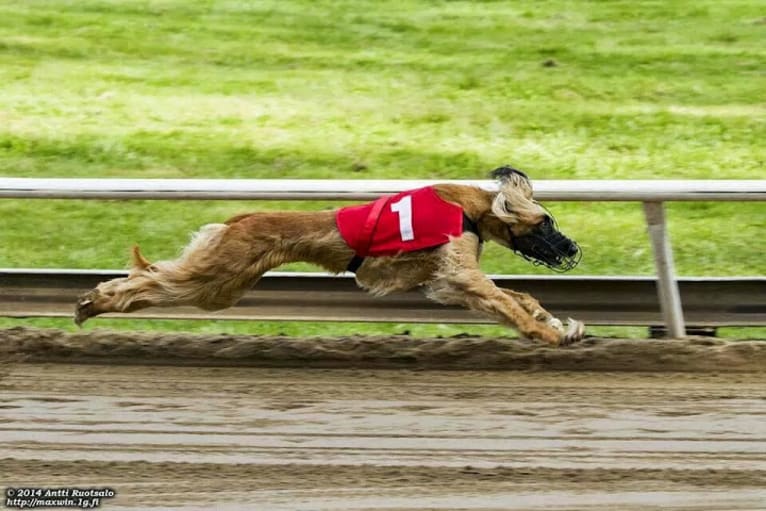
365	189
321	297
651	193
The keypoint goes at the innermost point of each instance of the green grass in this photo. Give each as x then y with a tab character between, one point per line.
308	329
410	89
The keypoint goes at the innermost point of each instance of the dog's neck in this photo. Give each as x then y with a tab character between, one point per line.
475	202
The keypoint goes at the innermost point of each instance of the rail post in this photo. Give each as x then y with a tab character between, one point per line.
667	286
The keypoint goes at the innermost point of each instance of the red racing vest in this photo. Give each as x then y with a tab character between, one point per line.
407	221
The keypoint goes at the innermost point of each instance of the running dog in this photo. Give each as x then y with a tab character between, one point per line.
429	238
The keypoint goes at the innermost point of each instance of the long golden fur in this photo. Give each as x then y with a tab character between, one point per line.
225	260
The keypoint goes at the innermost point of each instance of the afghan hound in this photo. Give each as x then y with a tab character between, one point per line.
430	238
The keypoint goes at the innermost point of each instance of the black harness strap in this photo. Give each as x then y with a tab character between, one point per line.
471	226
468	226
355	263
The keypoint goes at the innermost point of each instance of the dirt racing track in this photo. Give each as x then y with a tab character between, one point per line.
236	422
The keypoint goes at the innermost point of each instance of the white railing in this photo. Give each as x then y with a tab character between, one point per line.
651	193
364	189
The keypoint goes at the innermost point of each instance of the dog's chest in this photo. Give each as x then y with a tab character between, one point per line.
408	221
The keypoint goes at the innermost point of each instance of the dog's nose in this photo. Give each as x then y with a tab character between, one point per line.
572	249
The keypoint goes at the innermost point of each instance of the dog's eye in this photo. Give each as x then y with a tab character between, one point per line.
548	222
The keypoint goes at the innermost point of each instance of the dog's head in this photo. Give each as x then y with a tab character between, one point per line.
521	224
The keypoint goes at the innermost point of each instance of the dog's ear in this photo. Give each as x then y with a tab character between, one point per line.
508	174
511	180
513	202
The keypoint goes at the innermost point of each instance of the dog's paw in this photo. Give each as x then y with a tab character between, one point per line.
556	324
85	308
575	332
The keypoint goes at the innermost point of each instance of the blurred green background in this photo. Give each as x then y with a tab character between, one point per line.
355	90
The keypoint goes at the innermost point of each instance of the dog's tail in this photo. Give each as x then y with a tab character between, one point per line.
205	240
139	261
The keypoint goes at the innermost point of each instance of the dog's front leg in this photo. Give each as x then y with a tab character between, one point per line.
476	292
533	307
460	281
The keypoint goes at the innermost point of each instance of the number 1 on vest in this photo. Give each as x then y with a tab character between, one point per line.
403	208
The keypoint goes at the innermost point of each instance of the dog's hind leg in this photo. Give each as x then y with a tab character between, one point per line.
221	263
212	273
460	281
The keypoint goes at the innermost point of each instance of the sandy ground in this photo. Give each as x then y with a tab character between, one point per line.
463	352
689	434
